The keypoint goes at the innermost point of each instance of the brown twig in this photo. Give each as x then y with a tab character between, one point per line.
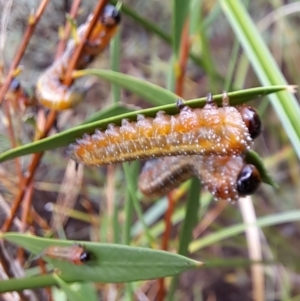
39	220
183	58
34	164
25	216
165	240
62	43
12	139
50	121
76	55
33	20
43	269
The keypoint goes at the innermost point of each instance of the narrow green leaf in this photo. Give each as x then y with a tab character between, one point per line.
180	10
266	221
132	171
186	234
265	67
191	217
115	46
148	25
69	136
154	94
110	263
129	213
153	28
71	294
253	158
196	21
114	110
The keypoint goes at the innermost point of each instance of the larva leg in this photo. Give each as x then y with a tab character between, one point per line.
209	102
225	99
209	99
180	104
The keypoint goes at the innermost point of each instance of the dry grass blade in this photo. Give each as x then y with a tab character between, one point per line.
254	247
68	193
6	8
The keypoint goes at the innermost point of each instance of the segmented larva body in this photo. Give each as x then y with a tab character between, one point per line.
207	131
225	178
20	96
160	176
75	254
50	91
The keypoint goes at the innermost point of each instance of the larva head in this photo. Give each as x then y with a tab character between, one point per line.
85	256
111	16
251	119
15	85
248	180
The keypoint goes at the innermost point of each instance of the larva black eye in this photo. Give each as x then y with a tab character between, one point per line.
111	16
248	180
252	120
15	85
85	256
180	104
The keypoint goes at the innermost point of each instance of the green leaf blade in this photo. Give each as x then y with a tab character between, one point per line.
110	263
69	136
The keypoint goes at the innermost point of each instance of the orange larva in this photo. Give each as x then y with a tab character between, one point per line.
75	254
207	131
50	91
224	177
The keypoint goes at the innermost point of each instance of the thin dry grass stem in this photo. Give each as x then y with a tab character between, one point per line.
277	14
149	288
49	124
43	269
93	219
165	241
32	22
183	58
292	89
37	157
6	9
5	262
66	33
254	248
4	207
209	218
9	182
68	193
68	79
12	139
9	269
90	210
39	220
31	171
9	104
25	217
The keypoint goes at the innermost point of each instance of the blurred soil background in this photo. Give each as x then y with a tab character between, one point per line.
146	56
